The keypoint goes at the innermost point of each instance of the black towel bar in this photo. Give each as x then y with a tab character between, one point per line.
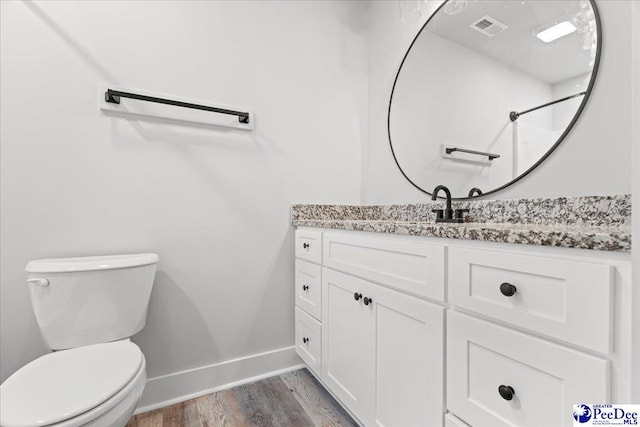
114	96
491	156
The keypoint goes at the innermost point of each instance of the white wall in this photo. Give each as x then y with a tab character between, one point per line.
449	94
634	17
213	203
595	152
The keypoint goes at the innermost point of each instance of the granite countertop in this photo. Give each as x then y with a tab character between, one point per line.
593	222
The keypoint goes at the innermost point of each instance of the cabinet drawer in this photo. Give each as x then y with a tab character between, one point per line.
308	340
309	288
566	299
309	245
546	379
405	265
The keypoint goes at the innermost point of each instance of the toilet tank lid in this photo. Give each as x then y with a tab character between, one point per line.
90	263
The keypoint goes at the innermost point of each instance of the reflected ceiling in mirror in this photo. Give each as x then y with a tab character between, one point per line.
488	89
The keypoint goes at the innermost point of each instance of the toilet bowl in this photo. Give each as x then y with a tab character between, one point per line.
86	308
96	385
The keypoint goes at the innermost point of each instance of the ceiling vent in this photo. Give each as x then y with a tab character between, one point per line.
489	26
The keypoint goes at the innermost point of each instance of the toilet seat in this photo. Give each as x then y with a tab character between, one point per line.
71	387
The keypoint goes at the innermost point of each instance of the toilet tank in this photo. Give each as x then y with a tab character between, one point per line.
90	300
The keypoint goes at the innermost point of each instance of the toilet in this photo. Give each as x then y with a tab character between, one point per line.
86	308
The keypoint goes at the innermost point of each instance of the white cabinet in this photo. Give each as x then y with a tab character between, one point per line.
410	266
308	297
309	288
382	352
564	298
499	377
409	337
550	325
309	340
348	341
309	245
451	420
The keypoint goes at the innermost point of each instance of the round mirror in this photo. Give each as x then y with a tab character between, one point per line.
488	89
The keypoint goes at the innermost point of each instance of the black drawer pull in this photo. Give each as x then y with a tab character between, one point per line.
305	287
305	340
305	246
506	392
367	301
357	296
507	289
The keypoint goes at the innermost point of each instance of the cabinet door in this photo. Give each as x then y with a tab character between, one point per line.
348	342
409	344
384	359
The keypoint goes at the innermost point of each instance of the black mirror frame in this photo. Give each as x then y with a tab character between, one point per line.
577	115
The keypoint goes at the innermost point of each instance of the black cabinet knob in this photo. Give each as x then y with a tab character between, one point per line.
305	245
506	392
367	301
305	340
357	296
507	289
305	287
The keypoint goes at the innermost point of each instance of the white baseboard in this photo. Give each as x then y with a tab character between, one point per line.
184	385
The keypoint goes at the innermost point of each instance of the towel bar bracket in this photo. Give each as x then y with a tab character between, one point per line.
110	97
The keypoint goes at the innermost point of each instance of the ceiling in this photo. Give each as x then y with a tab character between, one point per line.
517	47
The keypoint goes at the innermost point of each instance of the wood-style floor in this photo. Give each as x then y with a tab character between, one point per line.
293	399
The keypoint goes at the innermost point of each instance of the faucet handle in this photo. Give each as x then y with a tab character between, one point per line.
475	191
460	214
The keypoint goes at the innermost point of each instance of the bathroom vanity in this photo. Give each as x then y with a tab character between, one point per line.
412	323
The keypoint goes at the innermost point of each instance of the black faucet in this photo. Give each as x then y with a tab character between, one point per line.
447	215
